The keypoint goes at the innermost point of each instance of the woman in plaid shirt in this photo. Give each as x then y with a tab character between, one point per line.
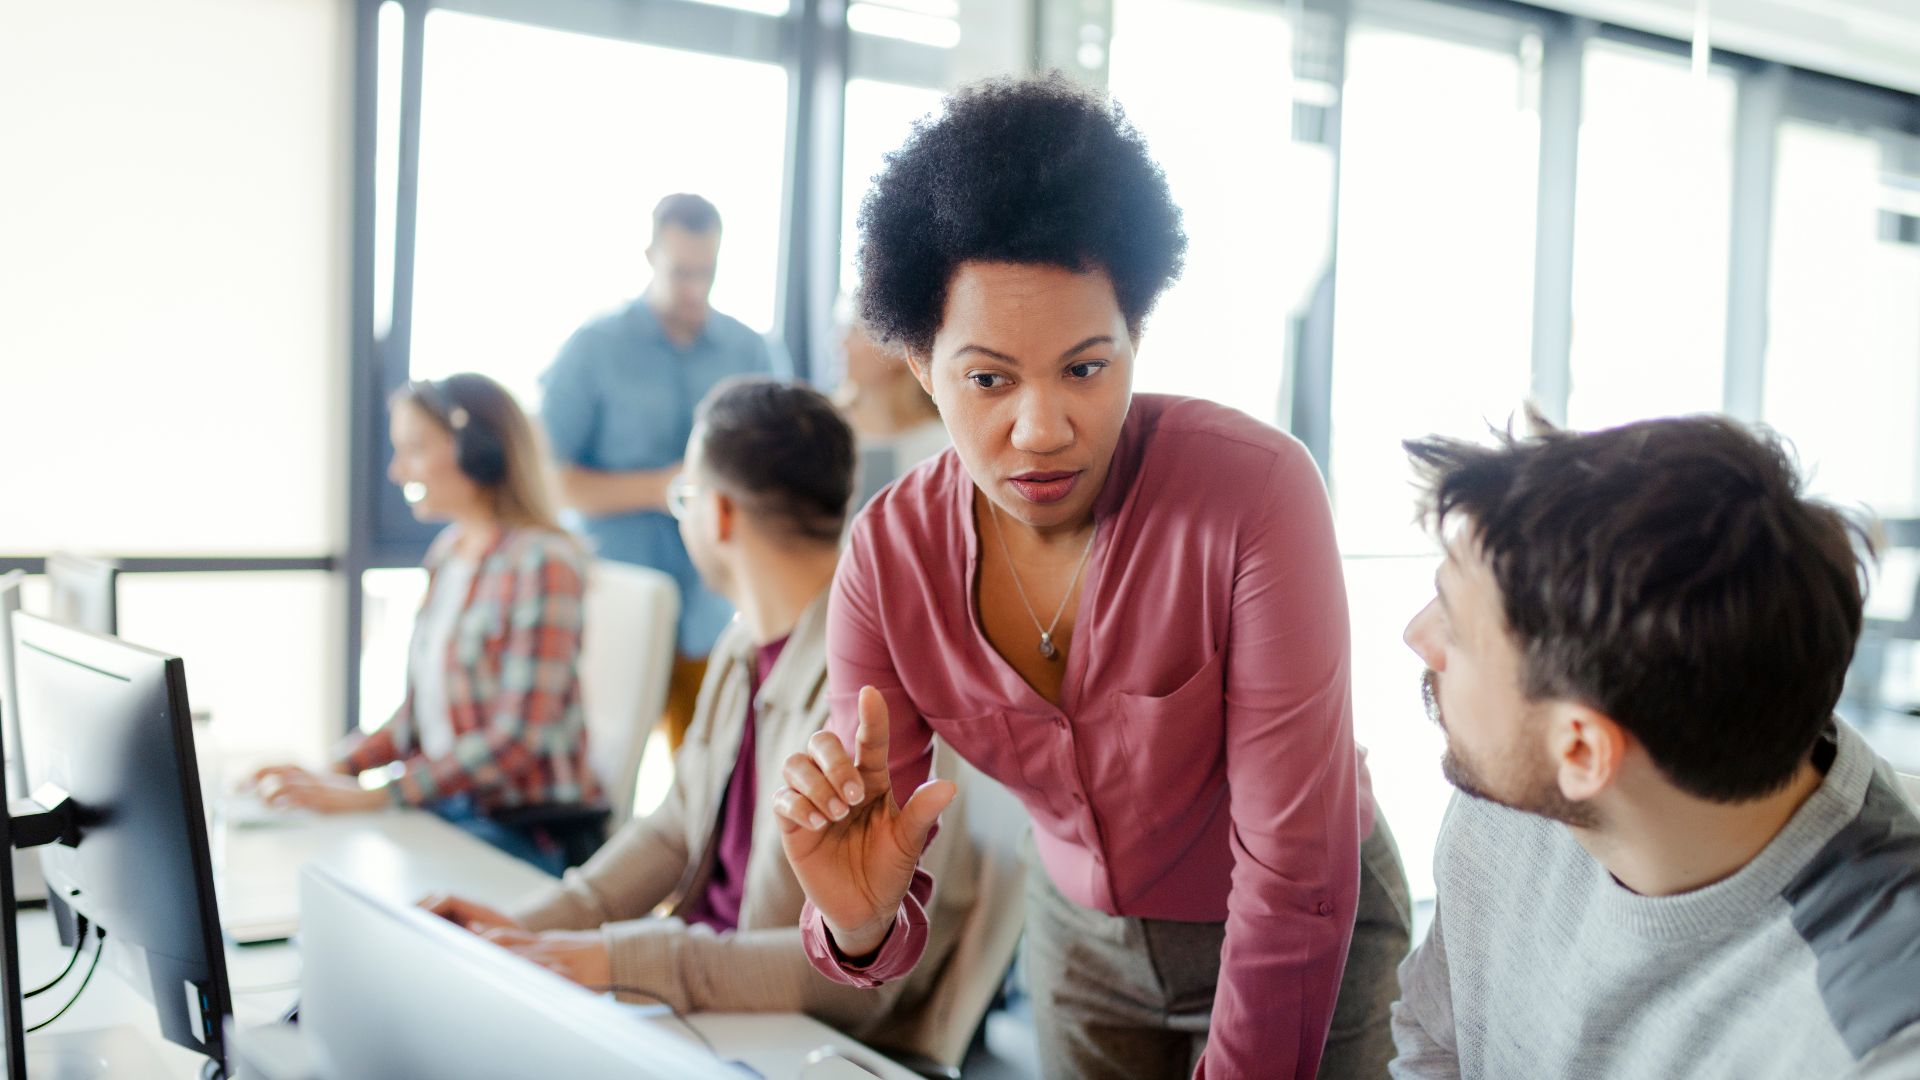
492	718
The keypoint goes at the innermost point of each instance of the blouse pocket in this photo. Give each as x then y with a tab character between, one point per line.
1175	744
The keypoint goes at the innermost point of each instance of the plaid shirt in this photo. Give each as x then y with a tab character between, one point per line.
513	694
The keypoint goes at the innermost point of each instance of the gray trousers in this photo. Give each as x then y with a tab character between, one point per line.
1129	999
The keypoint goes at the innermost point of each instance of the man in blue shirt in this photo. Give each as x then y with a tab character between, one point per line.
618	408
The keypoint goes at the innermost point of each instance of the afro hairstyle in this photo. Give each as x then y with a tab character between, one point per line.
1037	171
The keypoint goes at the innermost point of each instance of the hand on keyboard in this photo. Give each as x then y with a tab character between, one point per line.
246	809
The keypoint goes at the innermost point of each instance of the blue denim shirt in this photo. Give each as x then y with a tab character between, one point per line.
620	397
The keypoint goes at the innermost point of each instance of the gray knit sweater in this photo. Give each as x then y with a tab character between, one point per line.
1805	963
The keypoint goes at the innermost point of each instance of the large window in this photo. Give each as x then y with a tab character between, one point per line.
518	149
1434	295
542	149
1652	211
879	117
1843	342
1210	86
261	651
1438	173
542	153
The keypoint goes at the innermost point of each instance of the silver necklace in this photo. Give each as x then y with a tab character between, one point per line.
1047	647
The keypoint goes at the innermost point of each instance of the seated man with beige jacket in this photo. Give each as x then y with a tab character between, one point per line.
695	905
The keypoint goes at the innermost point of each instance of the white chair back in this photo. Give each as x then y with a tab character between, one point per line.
983	950
628	631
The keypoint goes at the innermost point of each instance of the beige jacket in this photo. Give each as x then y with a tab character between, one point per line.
636	886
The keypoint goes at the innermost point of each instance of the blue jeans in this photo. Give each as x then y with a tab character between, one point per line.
533	848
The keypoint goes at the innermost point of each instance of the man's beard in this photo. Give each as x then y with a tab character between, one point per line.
1535	791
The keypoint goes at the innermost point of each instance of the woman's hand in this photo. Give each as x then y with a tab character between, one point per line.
851	848
272	773
468	915
577	955
291	787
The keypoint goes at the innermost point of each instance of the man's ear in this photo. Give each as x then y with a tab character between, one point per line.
1587	748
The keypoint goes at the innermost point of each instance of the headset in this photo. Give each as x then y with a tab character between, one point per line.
478	448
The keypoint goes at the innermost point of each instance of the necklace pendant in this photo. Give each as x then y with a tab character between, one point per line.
1046	646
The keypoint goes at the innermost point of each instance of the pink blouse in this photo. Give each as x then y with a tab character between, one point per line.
1201	765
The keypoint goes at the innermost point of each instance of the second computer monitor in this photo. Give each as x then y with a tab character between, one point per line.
84	592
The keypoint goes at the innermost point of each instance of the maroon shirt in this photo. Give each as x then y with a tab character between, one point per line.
719	906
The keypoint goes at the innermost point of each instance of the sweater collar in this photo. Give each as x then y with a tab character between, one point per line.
1735	903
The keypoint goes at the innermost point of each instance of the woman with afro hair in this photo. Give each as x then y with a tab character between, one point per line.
1126	609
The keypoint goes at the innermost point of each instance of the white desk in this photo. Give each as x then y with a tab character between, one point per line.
396	855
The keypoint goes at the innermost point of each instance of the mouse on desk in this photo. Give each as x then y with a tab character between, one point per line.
827	1063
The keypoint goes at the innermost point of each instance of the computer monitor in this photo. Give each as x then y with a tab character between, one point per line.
392	991
16	780
84	592
110	762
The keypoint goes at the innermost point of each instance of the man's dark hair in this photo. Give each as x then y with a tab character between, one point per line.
1672	575
783	451
690	212
1035	171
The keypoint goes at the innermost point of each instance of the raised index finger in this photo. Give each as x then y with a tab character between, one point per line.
870	740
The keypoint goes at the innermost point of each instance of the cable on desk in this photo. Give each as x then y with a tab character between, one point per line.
79	943
100	935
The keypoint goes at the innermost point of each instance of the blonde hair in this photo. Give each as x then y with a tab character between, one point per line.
499	448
